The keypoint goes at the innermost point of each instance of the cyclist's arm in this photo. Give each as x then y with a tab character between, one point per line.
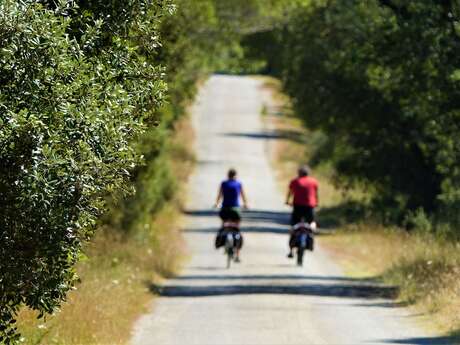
243	196
317	194
288	196
219	197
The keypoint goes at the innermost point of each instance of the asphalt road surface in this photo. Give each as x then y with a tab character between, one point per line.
266	299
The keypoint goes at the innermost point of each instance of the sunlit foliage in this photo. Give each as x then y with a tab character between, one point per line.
381	79
75	91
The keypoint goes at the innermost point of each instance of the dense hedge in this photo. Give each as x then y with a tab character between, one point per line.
202	36
76	89
187	54
381	79
83	81
82	84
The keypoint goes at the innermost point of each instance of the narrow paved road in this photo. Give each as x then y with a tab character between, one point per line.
266	299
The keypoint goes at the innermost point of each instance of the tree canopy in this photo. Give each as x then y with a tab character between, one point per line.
83	81
76	89
381	80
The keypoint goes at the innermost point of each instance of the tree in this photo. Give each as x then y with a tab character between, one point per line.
380	78
76	89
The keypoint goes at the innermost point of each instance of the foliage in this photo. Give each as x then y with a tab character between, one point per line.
380	78
76	91
190	39
81	82
153	182
200	37
117	269
418	220
186	53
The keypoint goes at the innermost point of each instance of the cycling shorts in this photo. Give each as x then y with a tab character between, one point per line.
300	212
230	214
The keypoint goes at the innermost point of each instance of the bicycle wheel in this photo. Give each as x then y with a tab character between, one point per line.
229	257
300	252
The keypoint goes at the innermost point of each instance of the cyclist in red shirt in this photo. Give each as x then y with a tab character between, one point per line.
304	190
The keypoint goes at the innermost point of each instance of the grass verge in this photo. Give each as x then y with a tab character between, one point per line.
425	268
115	277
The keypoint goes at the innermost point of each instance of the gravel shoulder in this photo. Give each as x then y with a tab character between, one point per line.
266	299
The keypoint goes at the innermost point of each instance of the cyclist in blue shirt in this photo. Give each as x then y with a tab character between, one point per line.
230	192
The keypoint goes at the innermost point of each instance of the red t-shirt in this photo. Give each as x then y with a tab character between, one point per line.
305	191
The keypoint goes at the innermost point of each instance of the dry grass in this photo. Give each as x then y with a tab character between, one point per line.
115	279
116	271
359	260
425	269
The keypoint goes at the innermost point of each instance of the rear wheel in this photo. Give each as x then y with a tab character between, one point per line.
300	252
302	245
229	245
229	257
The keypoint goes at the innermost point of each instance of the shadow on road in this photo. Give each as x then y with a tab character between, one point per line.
266	277
273	217
454	339
291	135
245	229
342	290
388	304
267	221
248	216
253	221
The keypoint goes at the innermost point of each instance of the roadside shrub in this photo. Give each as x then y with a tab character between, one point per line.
425	269
381	80
70	105
418	220
154	185
187	54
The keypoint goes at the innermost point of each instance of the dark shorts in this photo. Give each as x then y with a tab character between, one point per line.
300	212
230	214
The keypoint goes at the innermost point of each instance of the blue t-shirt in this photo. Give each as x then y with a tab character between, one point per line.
231	190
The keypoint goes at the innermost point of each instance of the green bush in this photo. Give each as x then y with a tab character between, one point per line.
153	183
190	50
381	80
81	82
73	97
419	221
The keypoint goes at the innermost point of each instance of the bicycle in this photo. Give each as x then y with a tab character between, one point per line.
230	238
303	239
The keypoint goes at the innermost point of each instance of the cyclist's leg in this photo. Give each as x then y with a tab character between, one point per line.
223	214
295	218
236	217
309	215
310	218
238	246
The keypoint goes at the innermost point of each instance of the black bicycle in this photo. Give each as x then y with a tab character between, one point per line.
303	239
231	239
